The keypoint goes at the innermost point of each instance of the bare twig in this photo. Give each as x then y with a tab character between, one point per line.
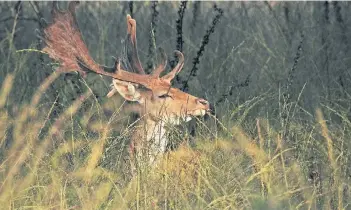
204	42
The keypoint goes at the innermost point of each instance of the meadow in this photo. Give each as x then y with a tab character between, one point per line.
277	76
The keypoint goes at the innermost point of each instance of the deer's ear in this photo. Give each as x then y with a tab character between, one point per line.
127	90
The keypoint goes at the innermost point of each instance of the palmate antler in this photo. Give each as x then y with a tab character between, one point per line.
64	44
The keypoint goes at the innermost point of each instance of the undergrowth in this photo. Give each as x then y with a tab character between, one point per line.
67	163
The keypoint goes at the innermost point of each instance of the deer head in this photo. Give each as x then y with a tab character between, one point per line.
152	92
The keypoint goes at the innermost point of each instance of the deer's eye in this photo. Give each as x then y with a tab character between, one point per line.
165	96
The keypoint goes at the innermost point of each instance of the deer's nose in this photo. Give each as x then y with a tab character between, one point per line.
202	101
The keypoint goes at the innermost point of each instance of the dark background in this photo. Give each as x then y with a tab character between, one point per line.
276	59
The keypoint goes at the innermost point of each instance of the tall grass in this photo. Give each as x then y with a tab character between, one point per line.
228	168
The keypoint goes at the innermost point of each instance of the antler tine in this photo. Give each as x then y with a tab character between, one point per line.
64	44
133	56
161	67
177	68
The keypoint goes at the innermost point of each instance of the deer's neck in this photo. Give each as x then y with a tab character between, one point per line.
150	139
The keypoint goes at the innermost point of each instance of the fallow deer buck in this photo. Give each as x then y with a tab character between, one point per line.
158	103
